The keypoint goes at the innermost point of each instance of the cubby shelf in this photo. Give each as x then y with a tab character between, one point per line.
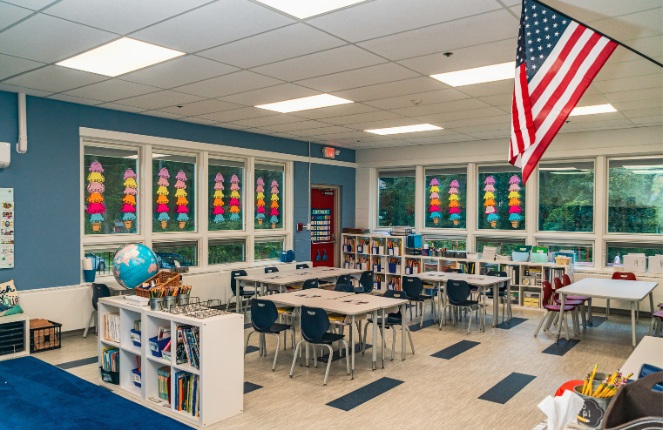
220	377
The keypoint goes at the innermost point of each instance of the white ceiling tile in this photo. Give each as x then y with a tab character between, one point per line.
293	126
503	120
277	93
636	25
372	75
9	14
608	116
419	101
267	121
125	108
229	84
334	111
237	114
443	118
492	134
120	16
390	89
321	63
324	131
47	39
497	52
159	100
10	66
627	69
28	91
488	88
379	18
642	113
32	4
650	81
593	10
596	125
78	100
162	114
272	46
55	79
627	96
201	108
111	90
447	36
499	100
395	122
179	71
363	118
648	120
650	103
213	24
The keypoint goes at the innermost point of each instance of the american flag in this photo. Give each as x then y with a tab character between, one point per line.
556	60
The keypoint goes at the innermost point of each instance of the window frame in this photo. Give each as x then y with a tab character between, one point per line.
416	196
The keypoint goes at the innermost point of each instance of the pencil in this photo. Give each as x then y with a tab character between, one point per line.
591	380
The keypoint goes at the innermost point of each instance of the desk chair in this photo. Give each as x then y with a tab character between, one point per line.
314	327
553	309
626	276
301	266
271	289
366	282
98	291
458	297
501	294
290	312
263	320
340	321
656	328
578	301
413	288
238	292
392	320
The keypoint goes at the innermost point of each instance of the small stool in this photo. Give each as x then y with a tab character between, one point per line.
656	323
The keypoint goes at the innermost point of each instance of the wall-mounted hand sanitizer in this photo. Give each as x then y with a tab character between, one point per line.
5	154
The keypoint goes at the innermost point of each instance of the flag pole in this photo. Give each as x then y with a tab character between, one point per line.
601	33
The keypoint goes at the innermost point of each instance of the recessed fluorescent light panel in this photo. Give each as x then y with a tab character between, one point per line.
479	75
404	129
120	57
591	110
307	8
305	103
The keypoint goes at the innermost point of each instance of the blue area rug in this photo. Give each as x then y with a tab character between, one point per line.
36	396
455	349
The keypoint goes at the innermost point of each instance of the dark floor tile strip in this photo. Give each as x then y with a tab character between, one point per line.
561	347
596	321
247	325
455	349
364	394
251	348
78	363
509	324
508	387
337	355
250	386
427	323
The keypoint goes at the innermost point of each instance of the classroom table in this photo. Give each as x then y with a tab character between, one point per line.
632	291
349	304
648	351
283	279
480	281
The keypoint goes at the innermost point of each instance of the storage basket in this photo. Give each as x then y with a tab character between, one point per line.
539	257
44	335
157	346
110	377
135	337
519	256
135	377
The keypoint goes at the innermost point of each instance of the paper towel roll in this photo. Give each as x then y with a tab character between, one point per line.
87	264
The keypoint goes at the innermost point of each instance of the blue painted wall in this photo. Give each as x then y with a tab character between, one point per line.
46	179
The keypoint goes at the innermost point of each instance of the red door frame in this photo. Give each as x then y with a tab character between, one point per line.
325	253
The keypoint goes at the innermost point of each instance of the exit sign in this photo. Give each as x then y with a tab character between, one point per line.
328	152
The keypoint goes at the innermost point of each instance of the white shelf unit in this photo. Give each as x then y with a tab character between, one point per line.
221	372
381	253
14	336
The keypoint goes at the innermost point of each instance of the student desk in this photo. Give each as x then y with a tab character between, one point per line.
632	291
349	304
648	351
283	279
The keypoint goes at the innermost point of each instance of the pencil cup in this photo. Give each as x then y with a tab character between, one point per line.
593	410
156	303
183	299
170	302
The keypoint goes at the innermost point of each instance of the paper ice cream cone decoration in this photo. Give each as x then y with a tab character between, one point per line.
234	198
454	206
489	201
162	199
274	211
182	203
130	190
260	200
514	202
95	199
217	202
434	201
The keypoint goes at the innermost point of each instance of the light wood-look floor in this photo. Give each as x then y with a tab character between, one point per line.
435	392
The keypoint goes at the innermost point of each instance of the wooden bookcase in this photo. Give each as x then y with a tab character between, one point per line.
220	374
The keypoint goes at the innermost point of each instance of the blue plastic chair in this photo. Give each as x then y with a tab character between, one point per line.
263	320
345	288
314	327
98	291
366	282
413	288
458	293
391	320
238	291
301	266
272	289
271	269
501	293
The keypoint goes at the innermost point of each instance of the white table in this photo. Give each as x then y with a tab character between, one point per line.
480	281
648	351
283	279
349	304
632	291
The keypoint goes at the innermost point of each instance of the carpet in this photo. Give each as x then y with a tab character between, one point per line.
36	395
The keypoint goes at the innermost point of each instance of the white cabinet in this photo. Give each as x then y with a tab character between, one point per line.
216	382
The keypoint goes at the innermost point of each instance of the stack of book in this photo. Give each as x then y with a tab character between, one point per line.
187	393
163	375
189	337
112	327
110	359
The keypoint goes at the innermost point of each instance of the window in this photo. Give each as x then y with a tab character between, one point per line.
446	192
615	251
501	198
504	245
566	197
226	195
110	190
269	194
449	242
102	257
268	248
583	251
396	192
184	252
174	193
226	251
635	196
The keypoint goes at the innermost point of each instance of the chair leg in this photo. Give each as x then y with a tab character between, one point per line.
329	360
89	323
543	318
582	314
363	345
247	341
409	335
469	323
347	357
276	353
294	358
607	308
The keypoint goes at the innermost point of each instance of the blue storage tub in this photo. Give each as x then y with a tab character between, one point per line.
135	337
135	377
157	346
519	256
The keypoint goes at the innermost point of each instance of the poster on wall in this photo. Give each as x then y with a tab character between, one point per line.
7	228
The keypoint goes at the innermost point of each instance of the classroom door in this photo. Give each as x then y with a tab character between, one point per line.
324	218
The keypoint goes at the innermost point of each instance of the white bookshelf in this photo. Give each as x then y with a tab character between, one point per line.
382	254
14	336
221	372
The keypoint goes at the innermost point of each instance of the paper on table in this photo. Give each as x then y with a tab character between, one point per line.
561	410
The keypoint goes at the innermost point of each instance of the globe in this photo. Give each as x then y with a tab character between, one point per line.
134	264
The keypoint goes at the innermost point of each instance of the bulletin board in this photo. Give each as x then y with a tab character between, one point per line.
7	228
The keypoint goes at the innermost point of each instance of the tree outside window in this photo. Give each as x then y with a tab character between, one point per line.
226	251
396	192
566	197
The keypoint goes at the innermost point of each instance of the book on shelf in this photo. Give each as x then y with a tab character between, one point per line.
189	338
187	393
163	332
112	327
163	377
110	359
